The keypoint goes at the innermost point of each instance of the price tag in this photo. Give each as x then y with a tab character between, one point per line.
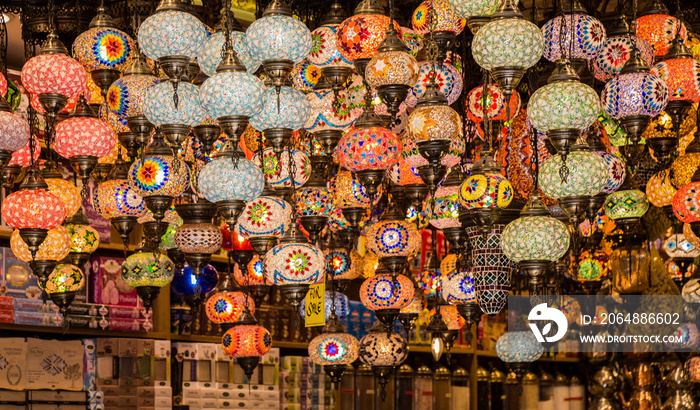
315	314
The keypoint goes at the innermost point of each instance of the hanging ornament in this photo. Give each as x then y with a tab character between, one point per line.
383	351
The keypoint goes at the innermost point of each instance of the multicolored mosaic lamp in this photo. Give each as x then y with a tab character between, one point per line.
383	351
52	250
617	49
227	307
63	285
518	349
324	49
626	206
263	221
393	240
386	295
246	342
147	272
334	349
84	238
335	302
657	27
14	131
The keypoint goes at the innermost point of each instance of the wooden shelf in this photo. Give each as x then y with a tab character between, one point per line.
80	331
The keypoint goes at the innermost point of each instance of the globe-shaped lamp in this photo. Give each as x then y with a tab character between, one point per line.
227	307
147	272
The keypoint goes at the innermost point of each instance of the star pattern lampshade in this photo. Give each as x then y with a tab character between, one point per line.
171	33
630	203
518	347
326	114
496	108
392	67
393	238
65	278
159	107
616	171
294	264
224	180
360	36
227	307
126	95
276	168
33	208
329	349
55	247
368	148
448	79
403	174
305	76
485	191
14	131
278	37
436	15
210	55
314	201
384	292
83	136
246	341
55	74
540	238
615	53
458	287
84	238
324	50
659	30
634	94
588	175
158	175
265	216
592	266
147	269
588	37
101	48
116	197
294	110
251	275
433	123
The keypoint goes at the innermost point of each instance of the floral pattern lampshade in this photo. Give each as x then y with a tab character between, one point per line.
616	171
492	269
341	302
171	33
232	93
340	265
485	191
226	307
84	238
348	191
68	193
224	180
588	174
384	292
265	216
530	238
563	105
159	107
14	131
125	96
198	238
393	238
147	269
294	264
626	204
496	107
518	347
294	110
246	341
159	175
368	148
83	136
443	210
360	36
55	247
615	53
329	349
210	55
116	197
686	203
277	168
35	208
326	114
659	30
101	48
412	156
588	40
458	287
403	174
434	122
436	15
278	37
54	73
65	278
682	75
634	94
314	201
508	43
448	79
380	349
324	50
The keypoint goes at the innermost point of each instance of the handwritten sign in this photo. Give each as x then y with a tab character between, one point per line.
315	314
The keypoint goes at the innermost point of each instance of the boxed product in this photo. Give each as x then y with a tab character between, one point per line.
223	367
90	365
106	284
161	361
16	279
187	352
270	363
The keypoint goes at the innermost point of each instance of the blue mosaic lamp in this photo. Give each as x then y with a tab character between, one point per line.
279	40
172	36
341	305
518	349
334	349
210	57
286	110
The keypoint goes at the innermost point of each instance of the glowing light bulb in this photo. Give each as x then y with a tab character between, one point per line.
437	347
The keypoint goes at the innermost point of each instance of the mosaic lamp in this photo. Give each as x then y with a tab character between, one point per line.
66	191
334	349
63	285
564	107
264	220
84	238
174	117
103	49
173	36
534	241
412	310
383	351
335	302
52	250
447	77
279	41
497	106
507	46
617	49
682	253
83	139
627	205
227	307
393	239
458	289
246	341
340	266
324	52
14	132
293	265
147	272
276	167
518	349
386	295
685	203
678	70
197	237
658	28
437	19
634	96
359	36
210	56
592	269
278	121
630	263
193	286
477	12
442	209
585	32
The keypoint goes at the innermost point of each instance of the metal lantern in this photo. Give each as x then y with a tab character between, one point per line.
246	342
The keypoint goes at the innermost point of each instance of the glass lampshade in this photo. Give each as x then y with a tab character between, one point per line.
368	148
359	36
690	235
294	264
294	110
68	193
434	122
472	8
626	204
157	175
382	291
265	216
681	78
314	201
125	96
210	55
491	268
448	79
33	208
393	238
496	107
416	305
55	247
65	278
224	180
232	93
329	349
324	51
276	167
198	238
683	168
563	105
403	174
592	266
413	157
21	156
518	347
677	246
686	205
186	283
458	287
54	73
246	341
160	109
326	114
252	275
659	30
379	349
83	136
616	171
631	269
436	15
487	190
392	67
450	316
449	264
14	131
634	94
171	33
339	265
147	269
305	76
342	305
227	307
442	211
588	37
588	175
84	238
530	238
348	191
116	197
615	53
102	48
278	37
508	42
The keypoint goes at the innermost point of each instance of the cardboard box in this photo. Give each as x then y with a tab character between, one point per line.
106	285
187	352
130	325
154	391
90	364
56	396
127	401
